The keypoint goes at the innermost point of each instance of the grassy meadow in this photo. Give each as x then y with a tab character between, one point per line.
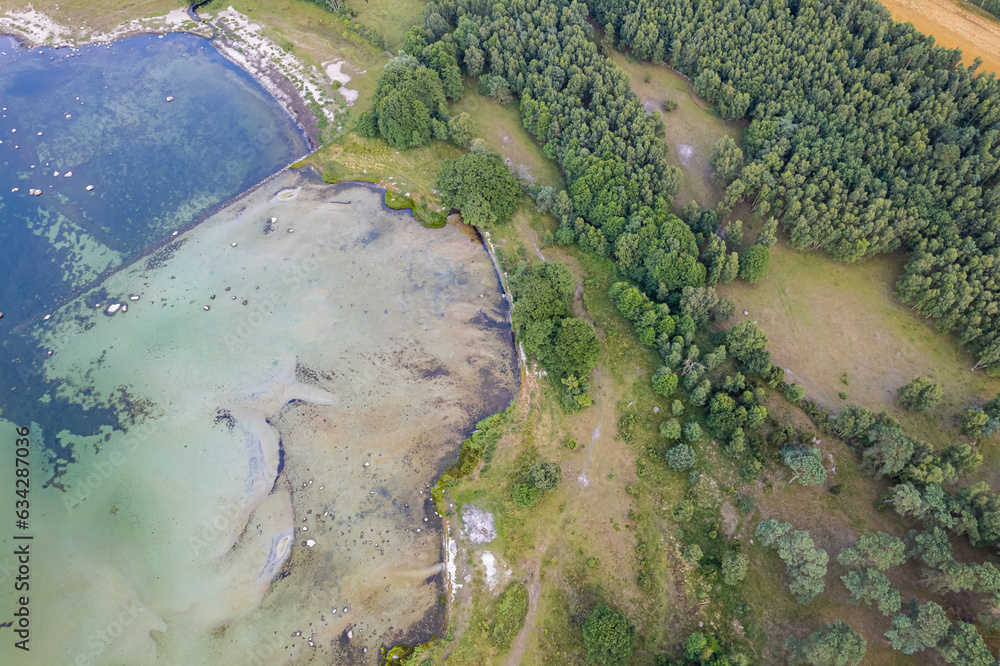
607	533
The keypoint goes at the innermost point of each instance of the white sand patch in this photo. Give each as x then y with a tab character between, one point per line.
478	525
332	69
175	17
490	564
286	195
267	62
35	26
685	152
451	567
39	28
177	20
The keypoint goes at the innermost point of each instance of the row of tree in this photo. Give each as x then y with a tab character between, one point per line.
567	346
864	137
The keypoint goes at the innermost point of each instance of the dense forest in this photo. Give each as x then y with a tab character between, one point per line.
864	137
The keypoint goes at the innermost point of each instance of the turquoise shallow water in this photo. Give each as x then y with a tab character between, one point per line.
100	113
235	469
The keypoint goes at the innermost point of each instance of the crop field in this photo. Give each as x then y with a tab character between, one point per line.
955	24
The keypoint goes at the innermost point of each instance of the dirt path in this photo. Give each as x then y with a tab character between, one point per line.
531	237
534	590
582	478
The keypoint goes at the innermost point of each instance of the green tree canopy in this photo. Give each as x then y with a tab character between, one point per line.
608	636
920	394
887	453
574	348
805	563
734	567
965	647
408	97
835	644
541	291
692	431
671	429
748	344
872	587
545	475
692	553
806	464
920	628
665	382
755	262
879	551
726	161
681	457
481	186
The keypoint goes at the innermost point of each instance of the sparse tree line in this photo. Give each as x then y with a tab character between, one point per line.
863	137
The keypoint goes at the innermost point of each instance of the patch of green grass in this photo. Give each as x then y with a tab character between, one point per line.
511	608
432	219
500	127
410	173
691	128
829	321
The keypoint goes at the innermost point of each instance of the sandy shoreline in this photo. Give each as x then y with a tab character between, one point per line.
304	91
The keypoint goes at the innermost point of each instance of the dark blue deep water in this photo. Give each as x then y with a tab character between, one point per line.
155	166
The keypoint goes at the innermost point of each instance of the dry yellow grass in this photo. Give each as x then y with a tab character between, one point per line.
954	24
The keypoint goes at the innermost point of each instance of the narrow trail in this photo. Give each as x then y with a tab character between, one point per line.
534	590
582	478
531	237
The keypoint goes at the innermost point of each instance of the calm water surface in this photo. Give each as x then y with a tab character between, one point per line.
235	469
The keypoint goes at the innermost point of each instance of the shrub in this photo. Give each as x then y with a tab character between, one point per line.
525	495
545	476
670	429
681	457
512	608
608	636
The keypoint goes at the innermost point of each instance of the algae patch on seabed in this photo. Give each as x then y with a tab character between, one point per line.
306	366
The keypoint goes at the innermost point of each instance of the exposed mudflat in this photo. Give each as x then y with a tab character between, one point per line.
292	376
